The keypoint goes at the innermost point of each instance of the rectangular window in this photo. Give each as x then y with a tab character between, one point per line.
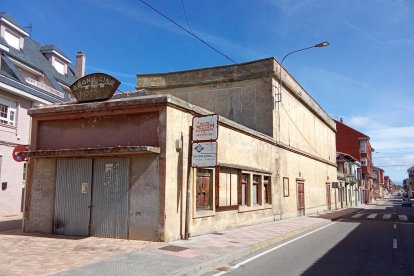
285	186
12	39
363	146
256	189
364	161
204	189
7	112
267	193
227	187
60	67
244	187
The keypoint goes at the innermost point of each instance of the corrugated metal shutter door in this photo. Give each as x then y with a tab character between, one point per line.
73	196
110	198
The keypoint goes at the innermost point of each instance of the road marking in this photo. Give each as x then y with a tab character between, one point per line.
403	217
372	216
270	250
387	216
357	215
395	226
394	244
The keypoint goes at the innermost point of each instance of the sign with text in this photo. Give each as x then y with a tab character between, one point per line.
204	154
94	87
205	128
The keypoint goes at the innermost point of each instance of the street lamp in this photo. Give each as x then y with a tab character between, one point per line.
319	45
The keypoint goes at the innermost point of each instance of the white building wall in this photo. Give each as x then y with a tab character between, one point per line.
12	171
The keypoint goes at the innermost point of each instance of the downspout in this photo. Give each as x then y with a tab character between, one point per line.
187	201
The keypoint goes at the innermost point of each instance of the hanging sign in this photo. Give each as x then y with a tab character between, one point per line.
204	154
94	87
205	128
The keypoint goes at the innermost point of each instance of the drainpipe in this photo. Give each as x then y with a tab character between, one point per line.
187	201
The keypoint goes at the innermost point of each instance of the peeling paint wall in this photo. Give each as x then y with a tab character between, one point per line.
40	196
125	130
144	198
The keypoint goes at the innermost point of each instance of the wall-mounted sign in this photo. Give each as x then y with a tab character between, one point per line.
205	128
18	153
94	87
204	154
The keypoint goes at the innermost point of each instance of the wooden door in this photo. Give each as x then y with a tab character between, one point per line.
301	198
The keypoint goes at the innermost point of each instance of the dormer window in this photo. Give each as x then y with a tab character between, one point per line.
12	39
12	33
56	58
60	66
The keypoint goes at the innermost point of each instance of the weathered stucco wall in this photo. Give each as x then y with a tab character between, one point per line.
124	130
40	196
313	174
302	129
144	197
248	102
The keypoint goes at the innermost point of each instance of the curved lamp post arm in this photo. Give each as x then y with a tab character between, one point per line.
319	45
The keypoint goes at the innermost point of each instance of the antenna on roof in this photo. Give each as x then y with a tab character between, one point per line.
29	28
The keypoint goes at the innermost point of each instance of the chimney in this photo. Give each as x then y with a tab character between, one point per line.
341	120
80	65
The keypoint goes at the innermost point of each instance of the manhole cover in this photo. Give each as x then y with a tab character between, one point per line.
173	248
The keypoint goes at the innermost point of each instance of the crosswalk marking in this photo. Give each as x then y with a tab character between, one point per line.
387	216
357	215
376	216
403	217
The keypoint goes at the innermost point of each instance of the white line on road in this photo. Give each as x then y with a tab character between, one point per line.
394	243
395	226
357	215
272	249
403	217
387	216
372	216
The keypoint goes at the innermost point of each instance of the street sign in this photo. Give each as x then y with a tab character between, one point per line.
205	128
17	153
204	154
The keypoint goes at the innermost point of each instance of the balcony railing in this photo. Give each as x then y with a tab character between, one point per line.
341	175
43	86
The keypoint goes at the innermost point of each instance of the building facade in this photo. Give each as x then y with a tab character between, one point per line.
349	176
249	94
31	74
275	160
357	145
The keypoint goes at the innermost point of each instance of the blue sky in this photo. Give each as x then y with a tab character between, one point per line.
365	76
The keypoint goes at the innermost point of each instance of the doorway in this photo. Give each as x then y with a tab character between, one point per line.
92	197
301	198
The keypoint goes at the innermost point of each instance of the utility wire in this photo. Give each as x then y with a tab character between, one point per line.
186	18
201	40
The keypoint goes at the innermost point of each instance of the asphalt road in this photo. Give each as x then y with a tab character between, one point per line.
377	241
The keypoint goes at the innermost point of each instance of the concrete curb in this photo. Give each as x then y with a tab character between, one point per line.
224	260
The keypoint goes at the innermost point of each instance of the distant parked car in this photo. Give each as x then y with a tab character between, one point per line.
406	202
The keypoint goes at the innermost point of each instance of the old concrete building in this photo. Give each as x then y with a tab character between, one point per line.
129	171
303	134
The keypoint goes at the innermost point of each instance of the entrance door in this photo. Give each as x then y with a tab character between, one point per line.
328	196
110	198
92	197
73	197
301	198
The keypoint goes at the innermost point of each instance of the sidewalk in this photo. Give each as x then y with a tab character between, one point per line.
94	256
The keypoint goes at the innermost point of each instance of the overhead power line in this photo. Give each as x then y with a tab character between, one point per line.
202	40
186	17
